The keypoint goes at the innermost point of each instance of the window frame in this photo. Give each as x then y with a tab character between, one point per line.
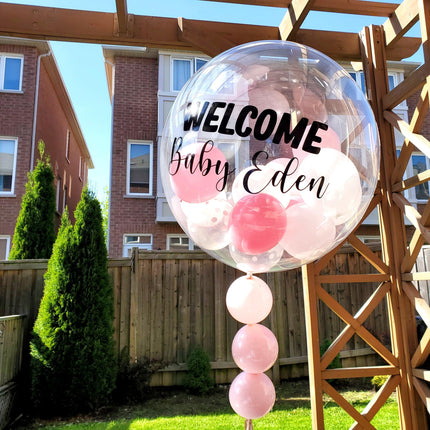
151	167
180	236
7	238
3	57
68	146
128	246
15	157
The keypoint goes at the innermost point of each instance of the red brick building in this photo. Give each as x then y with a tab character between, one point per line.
143	84
34	105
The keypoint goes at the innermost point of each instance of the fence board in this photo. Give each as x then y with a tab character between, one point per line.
178	300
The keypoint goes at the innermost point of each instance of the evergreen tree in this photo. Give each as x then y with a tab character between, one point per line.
34	230
73	362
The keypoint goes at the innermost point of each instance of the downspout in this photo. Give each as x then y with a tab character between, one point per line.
36	99
111	146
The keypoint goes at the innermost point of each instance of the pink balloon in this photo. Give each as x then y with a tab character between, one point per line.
254	348
197	172
249	299
252	395
258	222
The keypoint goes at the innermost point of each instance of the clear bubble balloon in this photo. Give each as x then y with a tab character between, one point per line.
259	129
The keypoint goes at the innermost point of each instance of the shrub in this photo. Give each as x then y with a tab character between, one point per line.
336	363
379	380
132	383
198	379
34	233
73	363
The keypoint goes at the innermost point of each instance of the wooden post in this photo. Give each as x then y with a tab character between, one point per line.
313	343
402	316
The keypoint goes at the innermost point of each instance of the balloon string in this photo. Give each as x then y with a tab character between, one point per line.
248	425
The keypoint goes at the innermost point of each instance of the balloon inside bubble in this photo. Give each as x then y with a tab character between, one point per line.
262	128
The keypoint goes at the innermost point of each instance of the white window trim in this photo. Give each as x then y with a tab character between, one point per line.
58	194
179	235
68	146
126	246
151	166
3	56
12	188
7	244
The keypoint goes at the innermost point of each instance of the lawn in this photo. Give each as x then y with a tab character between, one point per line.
173	410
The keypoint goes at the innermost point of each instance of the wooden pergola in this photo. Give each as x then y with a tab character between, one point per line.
373	46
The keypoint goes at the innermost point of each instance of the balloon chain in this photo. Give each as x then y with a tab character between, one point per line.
248	425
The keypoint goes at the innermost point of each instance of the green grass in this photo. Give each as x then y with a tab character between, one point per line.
173	410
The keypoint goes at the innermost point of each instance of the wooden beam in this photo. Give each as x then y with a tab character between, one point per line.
359	372
400	21
195	33
339	279
418	140
423	391
407	87
423	374
356	324
412	182
361	316
293	18
355	7
368	254
419	303
379	399
121	16
347	407
423	350
413	215
415	125
46	23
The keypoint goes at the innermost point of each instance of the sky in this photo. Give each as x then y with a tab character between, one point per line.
82	64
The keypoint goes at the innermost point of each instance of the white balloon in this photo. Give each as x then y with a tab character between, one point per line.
249	299
337	188
308	232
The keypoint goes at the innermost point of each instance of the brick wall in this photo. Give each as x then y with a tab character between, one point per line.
16	120
135	116
52	127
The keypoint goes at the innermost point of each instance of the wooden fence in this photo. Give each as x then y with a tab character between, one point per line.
166	302
11	347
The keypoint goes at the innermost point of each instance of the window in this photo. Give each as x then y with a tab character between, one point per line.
11	72
183	69
68	146
82	166
139	168
58	193
419	165
179	242
181	73
141	241
8	149
4	247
